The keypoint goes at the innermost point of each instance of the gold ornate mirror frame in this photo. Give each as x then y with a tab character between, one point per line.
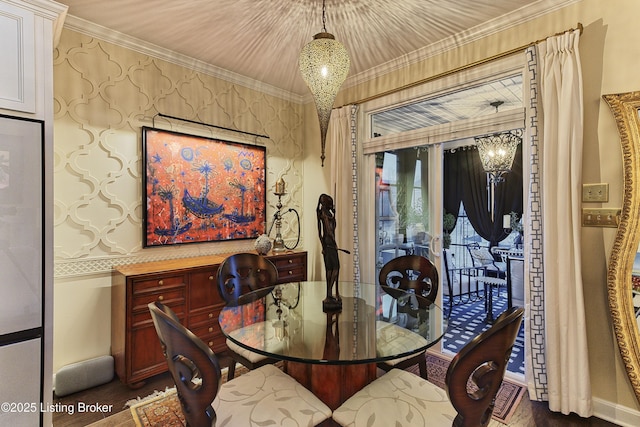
626	111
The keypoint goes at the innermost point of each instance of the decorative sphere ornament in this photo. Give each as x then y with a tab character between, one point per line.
263	244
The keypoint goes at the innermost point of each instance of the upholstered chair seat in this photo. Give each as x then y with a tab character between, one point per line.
399	399
267	396
403	399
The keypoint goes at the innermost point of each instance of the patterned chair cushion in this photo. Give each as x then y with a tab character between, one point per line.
251	356
267	396
398	398
393	339
482	256
262	334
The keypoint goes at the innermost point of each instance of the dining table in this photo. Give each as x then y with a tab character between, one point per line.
333	353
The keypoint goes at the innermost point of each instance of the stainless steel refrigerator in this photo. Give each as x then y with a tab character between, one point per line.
21	271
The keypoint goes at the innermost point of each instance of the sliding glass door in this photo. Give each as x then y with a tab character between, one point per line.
403	204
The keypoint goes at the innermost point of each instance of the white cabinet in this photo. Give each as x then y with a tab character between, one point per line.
17	50
26	208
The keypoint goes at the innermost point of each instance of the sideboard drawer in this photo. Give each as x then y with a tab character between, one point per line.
293	274
171	296
292	267
188	286
159	282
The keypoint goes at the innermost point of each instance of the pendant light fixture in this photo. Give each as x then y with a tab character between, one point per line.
498	150
324	64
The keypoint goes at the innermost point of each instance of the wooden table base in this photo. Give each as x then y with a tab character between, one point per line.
333	384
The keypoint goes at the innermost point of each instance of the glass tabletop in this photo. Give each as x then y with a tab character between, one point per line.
375	324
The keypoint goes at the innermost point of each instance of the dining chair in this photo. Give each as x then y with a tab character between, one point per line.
238	274
474	376
410	273
264	396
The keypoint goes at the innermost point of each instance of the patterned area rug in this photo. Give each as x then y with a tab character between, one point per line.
163	409
507	399
466	321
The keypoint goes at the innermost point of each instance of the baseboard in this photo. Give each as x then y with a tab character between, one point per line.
615	413
83	375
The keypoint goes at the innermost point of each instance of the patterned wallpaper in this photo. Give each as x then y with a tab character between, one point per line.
103	95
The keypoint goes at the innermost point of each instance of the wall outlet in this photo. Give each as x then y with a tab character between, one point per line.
606	217
595	193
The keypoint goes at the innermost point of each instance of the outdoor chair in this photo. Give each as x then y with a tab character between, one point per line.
484	259
515	281
461	286
474	376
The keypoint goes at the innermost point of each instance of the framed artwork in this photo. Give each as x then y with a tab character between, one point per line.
199	189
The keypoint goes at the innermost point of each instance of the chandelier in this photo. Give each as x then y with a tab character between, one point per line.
324	64
497	152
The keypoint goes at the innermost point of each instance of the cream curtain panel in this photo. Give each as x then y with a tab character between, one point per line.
557	356
342	137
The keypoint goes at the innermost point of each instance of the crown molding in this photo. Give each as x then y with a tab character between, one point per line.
111	36
494	26
519	16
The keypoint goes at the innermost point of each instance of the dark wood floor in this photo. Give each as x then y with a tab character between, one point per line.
117	394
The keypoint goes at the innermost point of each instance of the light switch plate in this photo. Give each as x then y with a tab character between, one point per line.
605	217
595	193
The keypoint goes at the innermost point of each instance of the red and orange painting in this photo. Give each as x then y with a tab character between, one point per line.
200	189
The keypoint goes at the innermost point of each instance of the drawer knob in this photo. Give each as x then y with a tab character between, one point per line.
290	261
160	282
160	298
290	272
210	329
210	277
210	343
210	315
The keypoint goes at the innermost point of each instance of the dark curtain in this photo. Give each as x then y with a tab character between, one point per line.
465	180
452	190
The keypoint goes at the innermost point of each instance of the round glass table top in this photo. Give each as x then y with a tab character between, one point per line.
375	324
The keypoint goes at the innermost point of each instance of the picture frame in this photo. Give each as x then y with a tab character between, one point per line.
198	189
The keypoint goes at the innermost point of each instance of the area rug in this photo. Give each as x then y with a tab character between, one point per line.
160	410
466	321
163	409
507	399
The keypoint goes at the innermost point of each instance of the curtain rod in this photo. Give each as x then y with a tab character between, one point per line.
207	124
461	68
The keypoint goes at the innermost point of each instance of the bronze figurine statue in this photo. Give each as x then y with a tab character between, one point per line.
327	232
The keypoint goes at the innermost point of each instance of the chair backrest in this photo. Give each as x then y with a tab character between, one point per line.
193	366
515	279
411	272
482	362
244	272
480	256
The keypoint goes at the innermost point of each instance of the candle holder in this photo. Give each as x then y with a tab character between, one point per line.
278	243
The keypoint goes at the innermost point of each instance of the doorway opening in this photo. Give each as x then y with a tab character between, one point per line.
407	140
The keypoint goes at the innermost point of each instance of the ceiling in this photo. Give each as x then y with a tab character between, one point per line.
259	40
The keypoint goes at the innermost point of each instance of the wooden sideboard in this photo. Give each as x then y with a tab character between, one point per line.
188	286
